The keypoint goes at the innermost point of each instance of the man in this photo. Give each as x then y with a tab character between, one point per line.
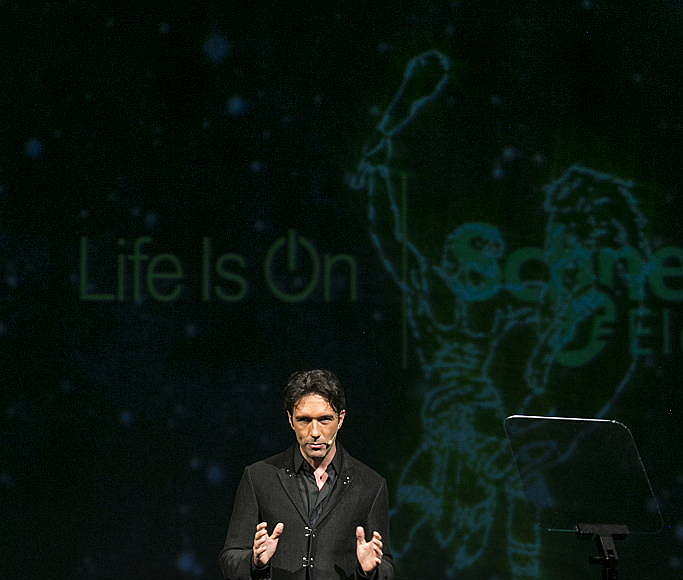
312	512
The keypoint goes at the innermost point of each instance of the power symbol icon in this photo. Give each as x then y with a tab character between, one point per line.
297	269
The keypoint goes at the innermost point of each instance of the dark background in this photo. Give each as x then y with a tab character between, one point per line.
126	424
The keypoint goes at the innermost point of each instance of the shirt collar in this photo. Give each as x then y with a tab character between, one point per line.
300	463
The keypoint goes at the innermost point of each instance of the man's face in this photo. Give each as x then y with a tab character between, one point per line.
315	424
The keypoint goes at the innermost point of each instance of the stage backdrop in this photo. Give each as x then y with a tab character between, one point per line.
465	209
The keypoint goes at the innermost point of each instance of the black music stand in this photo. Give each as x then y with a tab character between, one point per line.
584	476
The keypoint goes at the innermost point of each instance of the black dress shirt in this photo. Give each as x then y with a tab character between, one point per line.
314	498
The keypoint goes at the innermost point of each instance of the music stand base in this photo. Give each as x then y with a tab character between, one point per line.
604	536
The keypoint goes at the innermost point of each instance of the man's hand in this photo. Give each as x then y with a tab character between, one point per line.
265	545
369	553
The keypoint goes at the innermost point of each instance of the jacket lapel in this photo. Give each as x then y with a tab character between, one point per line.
344	482
288	480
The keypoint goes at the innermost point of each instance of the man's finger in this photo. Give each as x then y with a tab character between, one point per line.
377	535
360	535
261	526
260	544
277	532
260	534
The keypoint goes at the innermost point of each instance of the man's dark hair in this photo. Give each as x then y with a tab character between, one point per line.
316	382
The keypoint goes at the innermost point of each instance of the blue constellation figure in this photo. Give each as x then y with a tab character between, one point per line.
450	486
460	478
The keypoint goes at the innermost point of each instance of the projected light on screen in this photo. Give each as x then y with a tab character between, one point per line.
459	479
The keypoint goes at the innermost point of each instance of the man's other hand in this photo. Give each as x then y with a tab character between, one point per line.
369	553
265	545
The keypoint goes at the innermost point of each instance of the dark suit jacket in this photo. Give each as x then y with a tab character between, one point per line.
268	492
